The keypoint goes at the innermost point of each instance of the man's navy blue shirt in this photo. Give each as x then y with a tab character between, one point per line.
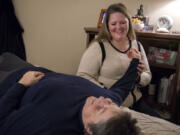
53	106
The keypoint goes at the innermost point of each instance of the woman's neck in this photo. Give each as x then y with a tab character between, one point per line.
121	45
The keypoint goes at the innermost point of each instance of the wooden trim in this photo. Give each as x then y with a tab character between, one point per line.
155	35
178	68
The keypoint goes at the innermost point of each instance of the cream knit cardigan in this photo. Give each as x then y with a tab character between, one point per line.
113	68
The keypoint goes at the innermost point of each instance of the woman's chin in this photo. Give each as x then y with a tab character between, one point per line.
120	38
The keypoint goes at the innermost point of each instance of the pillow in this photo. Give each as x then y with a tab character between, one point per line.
9	62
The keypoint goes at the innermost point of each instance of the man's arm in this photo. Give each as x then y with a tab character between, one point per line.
123	86
11	100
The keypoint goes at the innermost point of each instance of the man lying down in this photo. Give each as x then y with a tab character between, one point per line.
37	101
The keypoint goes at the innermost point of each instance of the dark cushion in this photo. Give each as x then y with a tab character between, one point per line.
9	62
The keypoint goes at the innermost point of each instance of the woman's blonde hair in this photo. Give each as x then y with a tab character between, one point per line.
104	31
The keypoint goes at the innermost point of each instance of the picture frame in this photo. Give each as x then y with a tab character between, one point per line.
101	17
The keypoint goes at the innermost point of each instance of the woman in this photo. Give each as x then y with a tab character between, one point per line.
118	38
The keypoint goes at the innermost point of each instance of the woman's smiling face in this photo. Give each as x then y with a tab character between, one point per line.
118	26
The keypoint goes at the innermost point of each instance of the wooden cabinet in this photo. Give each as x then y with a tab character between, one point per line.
168	42
158	40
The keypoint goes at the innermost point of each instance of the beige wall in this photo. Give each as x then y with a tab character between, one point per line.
54	36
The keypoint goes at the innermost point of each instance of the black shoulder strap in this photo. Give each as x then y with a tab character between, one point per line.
139	46
103	51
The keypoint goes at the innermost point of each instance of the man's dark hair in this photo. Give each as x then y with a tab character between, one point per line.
121	124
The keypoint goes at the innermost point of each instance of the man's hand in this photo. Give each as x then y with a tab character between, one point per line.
30	78
134	53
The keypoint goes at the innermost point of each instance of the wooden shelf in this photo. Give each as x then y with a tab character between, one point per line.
159	65
156	36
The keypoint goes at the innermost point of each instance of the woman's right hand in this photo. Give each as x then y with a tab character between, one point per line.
30	78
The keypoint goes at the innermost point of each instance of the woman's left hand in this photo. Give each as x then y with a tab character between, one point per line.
140	67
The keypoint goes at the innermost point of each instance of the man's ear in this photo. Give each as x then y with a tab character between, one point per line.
88	130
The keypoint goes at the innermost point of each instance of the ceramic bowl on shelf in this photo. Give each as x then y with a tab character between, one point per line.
138	26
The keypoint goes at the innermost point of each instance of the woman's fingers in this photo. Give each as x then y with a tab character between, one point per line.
134	53
140	67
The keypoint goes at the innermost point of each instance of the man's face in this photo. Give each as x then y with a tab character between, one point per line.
99	109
